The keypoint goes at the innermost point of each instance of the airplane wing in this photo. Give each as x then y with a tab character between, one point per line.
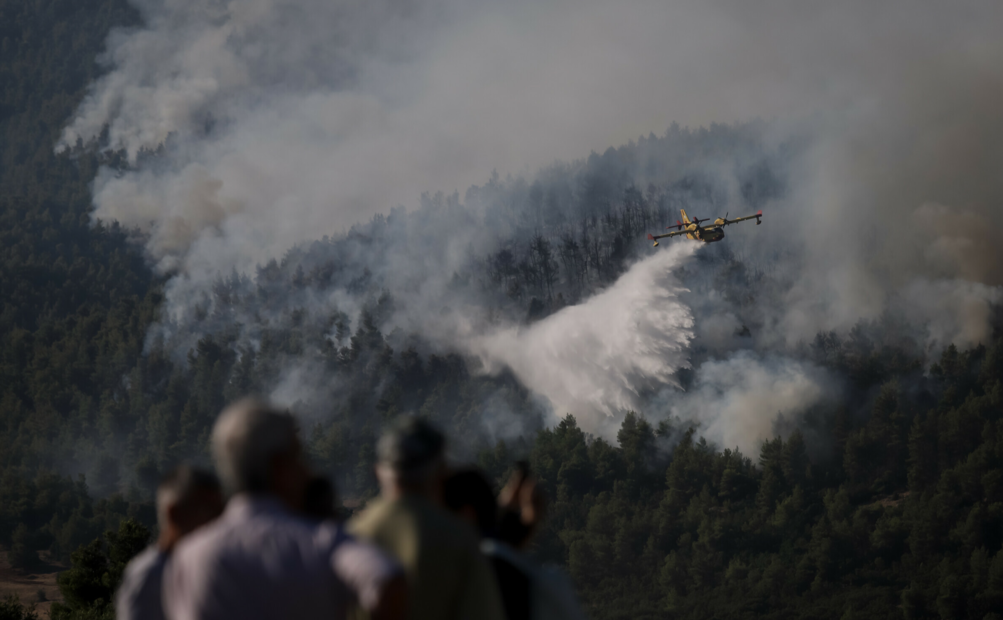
655	238
742	219
671	234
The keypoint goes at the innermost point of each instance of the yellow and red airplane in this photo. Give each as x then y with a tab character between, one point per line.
709	233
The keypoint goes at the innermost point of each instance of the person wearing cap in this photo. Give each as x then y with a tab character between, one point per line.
448	578
261	559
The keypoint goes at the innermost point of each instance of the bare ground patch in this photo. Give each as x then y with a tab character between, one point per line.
31	586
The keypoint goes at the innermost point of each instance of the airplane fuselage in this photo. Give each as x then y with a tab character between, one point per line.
707	235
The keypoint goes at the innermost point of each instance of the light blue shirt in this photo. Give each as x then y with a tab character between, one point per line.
138	598
260	561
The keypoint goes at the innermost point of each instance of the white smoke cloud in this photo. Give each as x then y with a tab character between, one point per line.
736	401
297	382
594	360
951	311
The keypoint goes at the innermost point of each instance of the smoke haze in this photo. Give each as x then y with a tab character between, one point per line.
254	126
737	400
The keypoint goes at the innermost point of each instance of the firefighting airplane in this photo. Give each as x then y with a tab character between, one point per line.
707	234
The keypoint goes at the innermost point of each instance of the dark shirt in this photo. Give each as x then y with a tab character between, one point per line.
532	592
514	586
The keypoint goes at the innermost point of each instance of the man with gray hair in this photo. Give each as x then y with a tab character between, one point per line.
262	560
448	578
186	499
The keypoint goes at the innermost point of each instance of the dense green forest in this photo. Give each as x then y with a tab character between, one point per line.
895	510
75	298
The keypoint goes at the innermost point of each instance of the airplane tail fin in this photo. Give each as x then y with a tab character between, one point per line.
686	220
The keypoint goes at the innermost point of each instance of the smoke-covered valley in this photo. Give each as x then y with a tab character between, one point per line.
270	145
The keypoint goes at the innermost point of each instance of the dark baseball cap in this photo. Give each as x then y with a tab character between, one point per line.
409	444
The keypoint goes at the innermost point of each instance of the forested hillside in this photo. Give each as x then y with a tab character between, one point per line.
75	298
884	500
904	521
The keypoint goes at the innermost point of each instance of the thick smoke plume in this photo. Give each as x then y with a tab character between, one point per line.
253	127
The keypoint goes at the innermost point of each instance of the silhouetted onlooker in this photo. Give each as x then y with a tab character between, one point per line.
528	591
448	578
260	559
468	494
186	499
319	499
